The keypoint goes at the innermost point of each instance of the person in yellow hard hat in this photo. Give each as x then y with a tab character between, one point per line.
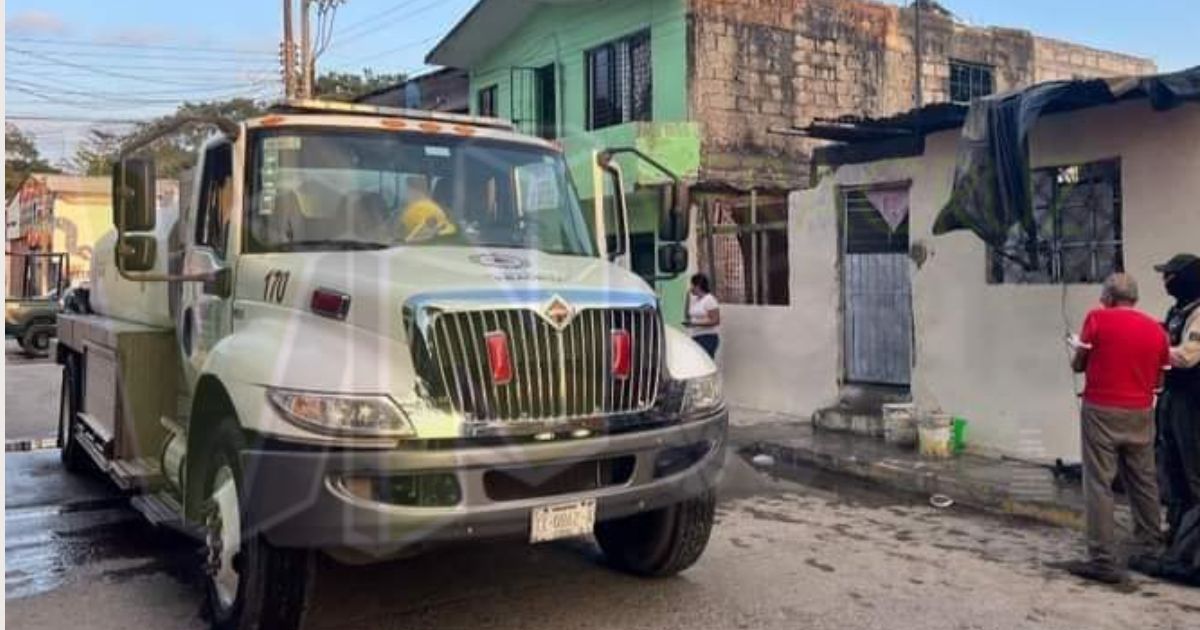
423	218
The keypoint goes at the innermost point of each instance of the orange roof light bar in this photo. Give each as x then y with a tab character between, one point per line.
315	106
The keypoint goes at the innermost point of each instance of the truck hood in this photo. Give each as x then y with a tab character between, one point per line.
380	283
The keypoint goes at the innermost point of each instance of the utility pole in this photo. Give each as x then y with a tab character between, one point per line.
306	51
919	96
289	53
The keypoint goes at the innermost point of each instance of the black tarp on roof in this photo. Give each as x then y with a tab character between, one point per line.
992	187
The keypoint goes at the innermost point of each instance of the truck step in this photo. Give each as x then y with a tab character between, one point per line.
163	510
142	473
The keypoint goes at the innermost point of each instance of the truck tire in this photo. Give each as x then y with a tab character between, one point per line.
662	542
251	584
74	459
35	341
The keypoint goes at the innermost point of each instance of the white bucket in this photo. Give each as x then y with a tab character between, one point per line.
934	433
900	424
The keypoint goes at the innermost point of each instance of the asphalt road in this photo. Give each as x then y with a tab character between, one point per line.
30	395
805	551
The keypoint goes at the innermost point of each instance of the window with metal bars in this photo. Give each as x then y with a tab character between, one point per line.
744	250
619	81
487	101
970	80
1078	228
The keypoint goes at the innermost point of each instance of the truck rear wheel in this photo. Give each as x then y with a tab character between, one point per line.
251	584
662	542
74	460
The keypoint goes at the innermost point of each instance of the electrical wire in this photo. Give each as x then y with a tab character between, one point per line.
94	69
75	119
371	19
73	88
91	44
410	14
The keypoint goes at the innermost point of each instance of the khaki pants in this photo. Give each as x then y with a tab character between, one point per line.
1119	442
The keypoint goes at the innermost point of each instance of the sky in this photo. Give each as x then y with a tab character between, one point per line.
97	62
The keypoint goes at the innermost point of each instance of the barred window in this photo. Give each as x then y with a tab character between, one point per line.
487	101
970	81
1077	213
619	81
744	249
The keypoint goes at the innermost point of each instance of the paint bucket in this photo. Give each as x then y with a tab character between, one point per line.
958	435
934	433
900	424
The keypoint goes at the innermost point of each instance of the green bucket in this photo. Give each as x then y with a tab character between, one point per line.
958	435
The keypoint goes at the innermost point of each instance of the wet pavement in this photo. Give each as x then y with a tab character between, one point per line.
795	548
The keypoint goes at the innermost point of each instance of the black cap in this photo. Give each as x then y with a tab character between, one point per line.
1178	263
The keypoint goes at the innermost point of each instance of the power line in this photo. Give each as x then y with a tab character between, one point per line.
88	82
406	16
119	54
391	51
70	88
179	69
94	69
194	49
76	119
345	32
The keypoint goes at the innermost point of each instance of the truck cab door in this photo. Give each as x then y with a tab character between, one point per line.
205	310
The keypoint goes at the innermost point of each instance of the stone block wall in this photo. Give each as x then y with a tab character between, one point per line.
758	66
1059	60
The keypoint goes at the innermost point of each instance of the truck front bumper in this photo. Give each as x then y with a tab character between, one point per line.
299	498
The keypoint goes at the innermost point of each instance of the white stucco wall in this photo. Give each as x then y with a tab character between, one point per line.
991	353
781	358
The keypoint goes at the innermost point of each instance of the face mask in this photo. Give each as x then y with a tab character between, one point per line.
1185	285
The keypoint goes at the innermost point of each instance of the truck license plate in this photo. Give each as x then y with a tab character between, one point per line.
564	520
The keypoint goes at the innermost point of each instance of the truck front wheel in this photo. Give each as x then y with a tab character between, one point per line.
251	584
662	542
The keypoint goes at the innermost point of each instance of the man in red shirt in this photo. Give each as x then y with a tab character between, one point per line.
1122	351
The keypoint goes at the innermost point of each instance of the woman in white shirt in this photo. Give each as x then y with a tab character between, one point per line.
704	315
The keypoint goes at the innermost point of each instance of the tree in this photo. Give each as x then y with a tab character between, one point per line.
21	157
173	154
347	86
95	153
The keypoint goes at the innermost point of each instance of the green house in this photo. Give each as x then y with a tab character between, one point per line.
590	74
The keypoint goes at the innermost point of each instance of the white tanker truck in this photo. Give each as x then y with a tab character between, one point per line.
368	330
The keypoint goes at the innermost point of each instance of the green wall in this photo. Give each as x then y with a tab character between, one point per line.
560	35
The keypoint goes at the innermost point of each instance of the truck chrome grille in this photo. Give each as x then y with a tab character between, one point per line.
556	374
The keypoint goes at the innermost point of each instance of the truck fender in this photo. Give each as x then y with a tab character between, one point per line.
303	352
685	358
211	407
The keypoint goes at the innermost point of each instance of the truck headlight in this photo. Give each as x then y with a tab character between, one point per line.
342	414
702	394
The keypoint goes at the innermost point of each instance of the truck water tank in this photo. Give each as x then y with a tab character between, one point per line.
141	302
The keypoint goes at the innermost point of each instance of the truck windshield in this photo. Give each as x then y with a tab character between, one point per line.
337	189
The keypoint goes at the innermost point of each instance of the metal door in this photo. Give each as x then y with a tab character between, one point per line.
876	289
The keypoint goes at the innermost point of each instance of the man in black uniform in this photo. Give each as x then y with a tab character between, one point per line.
1179	405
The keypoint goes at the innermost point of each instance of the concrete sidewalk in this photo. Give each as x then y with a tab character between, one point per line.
1006	486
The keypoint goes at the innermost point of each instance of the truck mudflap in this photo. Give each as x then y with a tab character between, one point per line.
383	501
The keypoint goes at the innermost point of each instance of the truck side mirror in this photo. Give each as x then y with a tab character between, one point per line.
672	259
133	195
675	222
137	252
612	220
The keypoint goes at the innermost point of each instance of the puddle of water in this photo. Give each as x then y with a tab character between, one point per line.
45	546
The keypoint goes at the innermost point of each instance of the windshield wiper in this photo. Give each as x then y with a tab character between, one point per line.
330	244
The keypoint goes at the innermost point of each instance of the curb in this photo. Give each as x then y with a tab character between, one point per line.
977	495
30	444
